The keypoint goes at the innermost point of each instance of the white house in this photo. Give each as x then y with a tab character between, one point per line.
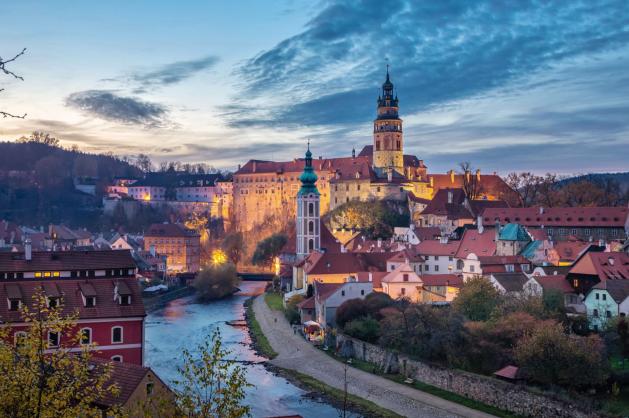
439	256
406	234
329	296
516	284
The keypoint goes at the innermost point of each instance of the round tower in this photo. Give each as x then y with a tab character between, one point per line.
308	223
388	141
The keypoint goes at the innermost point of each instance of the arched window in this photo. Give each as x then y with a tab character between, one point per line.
311	227
310	244
311	209
86	336
117	358
116	335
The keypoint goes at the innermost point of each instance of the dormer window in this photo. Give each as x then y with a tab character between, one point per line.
88	294
125	299
122	293
14	296
15	304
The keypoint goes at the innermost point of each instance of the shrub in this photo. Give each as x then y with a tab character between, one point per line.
292	313
477	299
350	310
215	282
366	329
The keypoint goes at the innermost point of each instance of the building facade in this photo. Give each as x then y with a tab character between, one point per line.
181	246
98	285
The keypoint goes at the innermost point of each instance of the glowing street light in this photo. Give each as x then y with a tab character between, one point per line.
218	257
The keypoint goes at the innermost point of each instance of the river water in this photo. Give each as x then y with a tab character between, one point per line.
183	323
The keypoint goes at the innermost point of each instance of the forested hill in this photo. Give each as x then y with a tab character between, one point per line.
37	182
622	179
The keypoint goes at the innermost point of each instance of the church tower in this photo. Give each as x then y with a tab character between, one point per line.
308	215
388	142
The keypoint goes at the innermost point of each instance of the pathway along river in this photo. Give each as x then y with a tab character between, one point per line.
183	323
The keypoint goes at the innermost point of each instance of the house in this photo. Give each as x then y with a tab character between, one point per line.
572	301
475	243
516	284
512	239
504	264
329	296
595	266
584	223
181	245
439	256
99	286
10	233
406	256
141	391
402	282
440	288
446	210
126	242
406	235
306	310
60	237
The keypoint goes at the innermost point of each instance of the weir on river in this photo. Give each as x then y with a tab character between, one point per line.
183	323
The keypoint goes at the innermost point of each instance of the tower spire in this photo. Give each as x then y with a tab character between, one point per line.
308	177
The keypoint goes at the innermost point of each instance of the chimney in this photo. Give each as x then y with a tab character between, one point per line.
478	175
443	239
432	182
449	196
479	224
152	250
370	277
239	167
353	152
390	175
254	166
379	242
451	172
541	210
28	250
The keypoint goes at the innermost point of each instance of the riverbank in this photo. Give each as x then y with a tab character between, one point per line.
297	355
155	302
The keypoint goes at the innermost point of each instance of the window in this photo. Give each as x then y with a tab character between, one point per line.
436	258
53	339
608	314
116	335
362	292
149	388
437	268
86	336
405	276
509	268
311	209
403	291
604	296
549	231
52	302
310	244
450	258
125	299
18	338
90	301
311	227
598	296
342	293
377	145
471	268
525	267
117	358
427	267
595	313
14	304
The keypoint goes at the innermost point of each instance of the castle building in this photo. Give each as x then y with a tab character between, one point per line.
264	191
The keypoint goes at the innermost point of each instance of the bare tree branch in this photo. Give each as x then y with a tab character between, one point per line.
3	68
3	63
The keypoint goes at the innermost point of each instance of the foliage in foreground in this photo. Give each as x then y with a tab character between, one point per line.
268	249
216	281
212	385
35	383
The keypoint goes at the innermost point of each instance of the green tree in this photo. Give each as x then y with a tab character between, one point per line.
38	382
477	299
549	356
268	249
366	329
216	281
292	313
212	386
234	246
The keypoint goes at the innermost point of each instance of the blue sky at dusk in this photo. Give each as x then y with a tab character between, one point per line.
518	85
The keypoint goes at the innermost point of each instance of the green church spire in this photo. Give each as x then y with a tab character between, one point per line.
308	178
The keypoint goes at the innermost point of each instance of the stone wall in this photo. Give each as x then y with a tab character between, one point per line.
515	398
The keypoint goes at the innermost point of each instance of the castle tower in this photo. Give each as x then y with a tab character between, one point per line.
308	214
388	142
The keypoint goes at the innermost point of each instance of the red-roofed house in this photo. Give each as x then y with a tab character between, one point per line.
474	244
402	282
99	285
329	296
440	287
504	264
447	211
439	256
559	283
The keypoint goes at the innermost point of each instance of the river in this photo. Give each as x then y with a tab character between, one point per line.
183	323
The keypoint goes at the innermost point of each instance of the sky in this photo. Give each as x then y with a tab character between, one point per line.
506	85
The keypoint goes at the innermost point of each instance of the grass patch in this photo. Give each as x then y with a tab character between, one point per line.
275	301
259	339
433	390
354	402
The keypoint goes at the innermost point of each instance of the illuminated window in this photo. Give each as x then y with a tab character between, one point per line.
38	274
55	274
47	274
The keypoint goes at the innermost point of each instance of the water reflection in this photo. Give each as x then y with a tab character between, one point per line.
184	324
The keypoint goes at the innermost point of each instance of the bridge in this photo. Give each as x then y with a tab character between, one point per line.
256	277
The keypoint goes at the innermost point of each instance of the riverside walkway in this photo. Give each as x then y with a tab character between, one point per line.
297	354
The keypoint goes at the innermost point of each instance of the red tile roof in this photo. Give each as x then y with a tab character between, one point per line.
568	217
497	263
323	291
427	232
489	183
437	248
407	255
70	290
453	280
611	266
555	282
306	303
478	206
169	230
571	250
345	263
376	277
66	260
449	203
480	244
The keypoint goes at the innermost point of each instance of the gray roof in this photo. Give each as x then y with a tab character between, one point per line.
512	282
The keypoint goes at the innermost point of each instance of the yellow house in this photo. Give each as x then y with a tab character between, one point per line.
440	287
403	282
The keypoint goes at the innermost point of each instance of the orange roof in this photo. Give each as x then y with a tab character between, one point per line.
568	217
489	183
345	263
571	250
453	280
605	265
555	282
376	277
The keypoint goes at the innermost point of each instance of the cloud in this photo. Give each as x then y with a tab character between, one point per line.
174	72
108	105
439	51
